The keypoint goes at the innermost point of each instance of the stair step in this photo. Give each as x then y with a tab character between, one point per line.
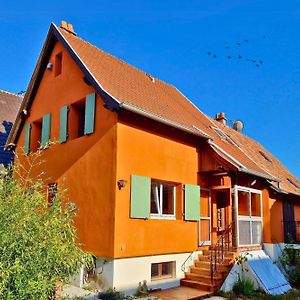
202	278
229	254
199	285
206	265
203	257
204	271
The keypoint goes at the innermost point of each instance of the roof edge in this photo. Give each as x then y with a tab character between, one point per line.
163	120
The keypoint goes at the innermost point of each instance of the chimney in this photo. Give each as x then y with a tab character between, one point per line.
68	27
221	118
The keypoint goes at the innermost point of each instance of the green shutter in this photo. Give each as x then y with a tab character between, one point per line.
140	197
89	120
63	126
46	131
192	202
27	138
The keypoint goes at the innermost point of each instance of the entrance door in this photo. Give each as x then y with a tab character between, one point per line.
205	218
223	202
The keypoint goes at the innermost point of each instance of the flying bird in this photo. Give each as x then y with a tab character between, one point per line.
261	62
258	65
239	44
240	56
227	47
253	60
209	53
215	55
229	57
246	41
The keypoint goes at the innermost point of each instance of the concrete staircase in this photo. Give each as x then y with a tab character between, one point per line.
199	274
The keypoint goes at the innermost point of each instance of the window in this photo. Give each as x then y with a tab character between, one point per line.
82	117
51	193
224	136
162	199
163	270
58	64
36	135
77	118
249	216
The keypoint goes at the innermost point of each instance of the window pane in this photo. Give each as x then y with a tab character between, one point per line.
255	205
204	230
243	202
166	268
155	197
154	270
168	199
256	232
204	204
244	233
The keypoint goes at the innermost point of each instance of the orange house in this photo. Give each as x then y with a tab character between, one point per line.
155	181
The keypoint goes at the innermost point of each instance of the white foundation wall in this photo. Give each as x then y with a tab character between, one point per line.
274	250
124	274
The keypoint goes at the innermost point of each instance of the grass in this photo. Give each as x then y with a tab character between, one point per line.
292	295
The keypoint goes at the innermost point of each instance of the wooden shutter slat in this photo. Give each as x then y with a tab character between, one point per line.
192	202
63	126
46	130
89	122
27	138
140	197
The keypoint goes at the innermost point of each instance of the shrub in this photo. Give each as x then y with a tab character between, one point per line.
244	286
290	260
38	243
111	294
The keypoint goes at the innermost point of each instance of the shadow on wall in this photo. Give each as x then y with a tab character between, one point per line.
6	157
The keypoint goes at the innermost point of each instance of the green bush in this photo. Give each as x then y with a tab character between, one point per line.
38	243
111	294
245	287
290	260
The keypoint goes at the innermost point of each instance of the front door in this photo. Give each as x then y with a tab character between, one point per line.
205	218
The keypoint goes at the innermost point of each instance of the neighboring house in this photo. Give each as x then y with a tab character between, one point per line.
153	178
9	105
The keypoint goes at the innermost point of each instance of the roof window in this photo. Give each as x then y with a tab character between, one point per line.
224	136
293	183
265	156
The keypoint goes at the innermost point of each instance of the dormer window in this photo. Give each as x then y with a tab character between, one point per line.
293	183
265	156
58	64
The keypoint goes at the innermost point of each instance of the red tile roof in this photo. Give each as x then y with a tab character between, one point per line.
132	88
130	85
9	106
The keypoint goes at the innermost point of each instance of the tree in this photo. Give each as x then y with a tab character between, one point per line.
38	242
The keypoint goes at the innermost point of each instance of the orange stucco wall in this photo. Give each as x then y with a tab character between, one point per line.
85	165
141	152
276	220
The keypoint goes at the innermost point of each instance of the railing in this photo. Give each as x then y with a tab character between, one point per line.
187	263
219	250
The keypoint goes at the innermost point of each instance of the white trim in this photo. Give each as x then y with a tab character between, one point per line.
249	218
160	215
200	242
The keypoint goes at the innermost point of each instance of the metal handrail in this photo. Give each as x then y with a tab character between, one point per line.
219	250
183	266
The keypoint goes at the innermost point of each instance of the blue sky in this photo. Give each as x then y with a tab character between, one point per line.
171	40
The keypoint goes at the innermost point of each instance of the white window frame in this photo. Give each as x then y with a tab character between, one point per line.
201	242
159	205
250	218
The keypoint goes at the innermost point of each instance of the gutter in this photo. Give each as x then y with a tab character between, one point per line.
163	120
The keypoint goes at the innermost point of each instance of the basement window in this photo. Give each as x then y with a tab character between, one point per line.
163	196
293	183
163	270
265	156
58	64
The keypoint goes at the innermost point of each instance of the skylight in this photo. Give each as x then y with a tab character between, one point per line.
293	183
265	156
224	136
